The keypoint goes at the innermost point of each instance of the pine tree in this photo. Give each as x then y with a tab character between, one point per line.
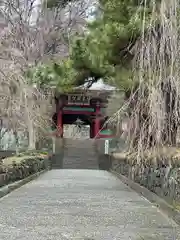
105	49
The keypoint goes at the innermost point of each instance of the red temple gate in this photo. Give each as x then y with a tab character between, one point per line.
88	106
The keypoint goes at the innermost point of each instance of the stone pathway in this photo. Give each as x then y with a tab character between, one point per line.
84	205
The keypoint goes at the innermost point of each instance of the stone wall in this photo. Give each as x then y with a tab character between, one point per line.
161	177
5	154
104	160
56	160
158	173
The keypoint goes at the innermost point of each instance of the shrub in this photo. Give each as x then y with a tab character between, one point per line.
18	167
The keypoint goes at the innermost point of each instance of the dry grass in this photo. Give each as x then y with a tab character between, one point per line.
120	156
165	155
154	157
156	102
157	64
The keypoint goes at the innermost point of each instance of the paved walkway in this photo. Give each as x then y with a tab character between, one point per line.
81	204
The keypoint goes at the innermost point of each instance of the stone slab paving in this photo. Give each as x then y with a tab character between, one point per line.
83	205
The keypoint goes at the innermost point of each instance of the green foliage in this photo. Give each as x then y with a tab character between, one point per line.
103	51
59	75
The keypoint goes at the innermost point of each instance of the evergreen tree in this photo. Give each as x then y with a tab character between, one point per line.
105	49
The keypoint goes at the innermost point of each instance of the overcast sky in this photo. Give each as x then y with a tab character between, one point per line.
89	12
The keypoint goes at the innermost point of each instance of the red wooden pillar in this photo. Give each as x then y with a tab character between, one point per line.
59	110
97	121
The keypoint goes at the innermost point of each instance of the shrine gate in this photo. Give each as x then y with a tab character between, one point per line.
89	106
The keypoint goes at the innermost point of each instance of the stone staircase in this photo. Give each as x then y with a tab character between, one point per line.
79	154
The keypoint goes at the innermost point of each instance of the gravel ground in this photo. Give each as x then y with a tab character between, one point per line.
81	204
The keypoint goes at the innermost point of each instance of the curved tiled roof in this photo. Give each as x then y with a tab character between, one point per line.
99	85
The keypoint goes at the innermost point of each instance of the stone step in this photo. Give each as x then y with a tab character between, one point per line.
84	156
77	154
78	144
81	147
70	153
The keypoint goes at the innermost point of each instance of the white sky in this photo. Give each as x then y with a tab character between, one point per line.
89	11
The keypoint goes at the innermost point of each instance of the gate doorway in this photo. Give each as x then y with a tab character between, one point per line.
84	111
76	131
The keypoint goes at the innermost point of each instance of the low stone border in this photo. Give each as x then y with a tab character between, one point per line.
153	198
12	186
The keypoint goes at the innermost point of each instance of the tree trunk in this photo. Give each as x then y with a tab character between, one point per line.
29	119
16	141
141	118
31	137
